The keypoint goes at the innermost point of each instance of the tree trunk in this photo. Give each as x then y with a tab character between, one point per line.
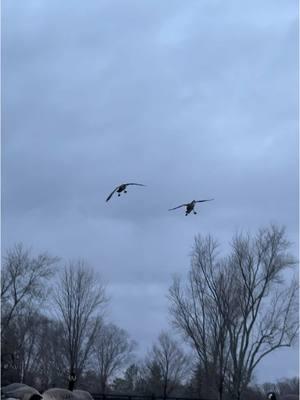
221	392
165	391
237	395
103	385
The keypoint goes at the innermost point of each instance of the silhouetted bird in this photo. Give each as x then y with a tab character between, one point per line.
190	206
72	381
122	188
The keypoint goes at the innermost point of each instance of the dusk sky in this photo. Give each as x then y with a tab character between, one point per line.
195	99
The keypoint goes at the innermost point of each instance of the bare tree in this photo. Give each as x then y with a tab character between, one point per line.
196	313
288	386
267	310
79	298
129	383
35	348
27	329
43	359
248	292
113	350
24	288
172	362
151	381
24	281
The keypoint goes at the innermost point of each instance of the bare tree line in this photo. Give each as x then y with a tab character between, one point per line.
51	320
54	328
237	310
231	311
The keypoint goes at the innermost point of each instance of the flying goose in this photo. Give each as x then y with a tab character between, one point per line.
122	188
190	206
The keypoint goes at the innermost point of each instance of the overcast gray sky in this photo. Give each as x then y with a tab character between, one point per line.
196	99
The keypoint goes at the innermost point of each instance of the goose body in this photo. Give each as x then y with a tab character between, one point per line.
65	394
11	387
122	188
83	395
190	206
20	391
58	394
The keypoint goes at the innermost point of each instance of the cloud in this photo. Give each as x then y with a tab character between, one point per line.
194	99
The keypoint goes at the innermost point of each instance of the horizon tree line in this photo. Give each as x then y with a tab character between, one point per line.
231	310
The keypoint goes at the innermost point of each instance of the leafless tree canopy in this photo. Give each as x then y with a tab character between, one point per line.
79	298
238	309
24	288
131	381
113	350
23	281
232	310
172	362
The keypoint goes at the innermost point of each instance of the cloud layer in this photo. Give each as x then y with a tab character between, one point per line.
194	99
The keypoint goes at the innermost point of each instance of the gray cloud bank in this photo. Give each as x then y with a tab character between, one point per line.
194	99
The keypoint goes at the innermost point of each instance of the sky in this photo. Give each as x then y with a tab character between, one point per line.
194	99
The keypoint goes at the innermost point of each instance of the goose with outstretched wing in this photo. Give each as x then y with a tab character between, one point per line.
190	206
122	188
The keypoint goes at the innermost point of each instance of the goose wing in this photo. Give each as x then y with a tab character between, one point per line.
136	184
109	197
201	201
182	205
